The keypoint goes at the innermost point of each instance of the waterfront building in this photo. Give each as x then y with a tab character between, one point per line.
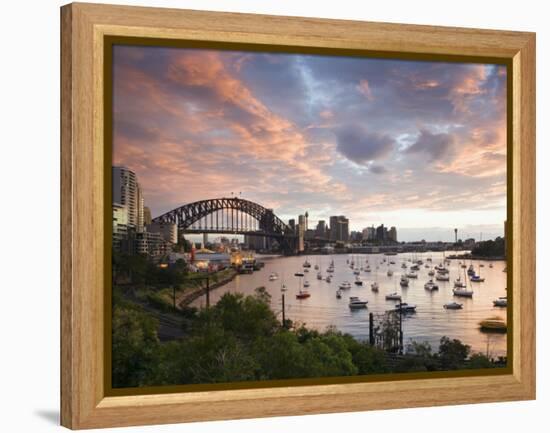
147	219
369	233
321	229
120	227
392	234
301	232
207	260
168	231
381	233
339	228
292	224
148	243
127	192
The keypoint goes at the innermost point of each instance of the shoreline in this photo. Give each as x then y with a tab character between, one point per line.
190	297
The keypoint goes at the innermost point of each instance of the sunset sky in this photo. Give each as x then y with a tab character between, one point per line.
416	145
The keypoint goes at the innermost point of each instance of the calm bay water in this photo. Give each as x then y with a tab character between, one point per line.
429	323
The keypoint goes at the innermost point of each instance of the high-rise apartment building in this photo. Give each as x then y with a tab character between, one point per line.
127	193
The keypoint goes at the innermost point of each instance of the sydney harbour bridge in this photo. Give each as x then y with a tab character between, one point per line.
231	216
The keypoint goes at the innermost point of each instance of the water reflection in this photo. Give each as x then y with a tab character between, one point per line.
431	320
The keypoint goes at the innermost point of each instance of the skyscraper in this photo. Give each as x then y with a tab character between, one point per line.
339	228
127	193
321	229
392	234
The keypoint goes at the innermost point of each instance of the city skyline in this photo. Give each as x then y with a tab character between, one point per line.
416	145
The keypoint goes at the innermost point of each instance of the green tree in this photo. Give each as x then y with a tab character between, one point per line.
134	348
452	353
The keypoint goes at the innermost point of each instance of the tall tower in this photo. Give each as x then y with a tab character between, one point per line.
307	215
127	192
456	236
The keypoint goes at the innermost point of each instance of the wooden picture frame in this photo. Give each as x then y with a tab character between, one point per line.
85	402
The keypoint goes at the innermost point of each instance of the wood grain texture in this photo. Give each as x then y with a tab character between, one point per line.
83	401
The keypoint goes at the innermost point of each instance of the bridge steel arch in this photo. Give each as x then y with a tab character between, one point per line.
269	224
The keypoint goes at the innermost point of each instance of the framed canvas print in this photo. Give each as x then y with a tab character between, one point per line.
312	215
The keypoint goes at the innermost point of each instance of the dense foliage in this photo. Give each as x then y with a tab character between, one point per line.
240	339
491	248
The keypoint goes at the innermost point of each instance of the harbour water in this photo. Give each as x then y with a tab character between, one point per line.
430	322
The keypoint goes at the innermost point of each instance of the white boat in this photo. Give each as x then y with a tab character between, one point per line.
452	306
319	276
431	273
389	273
345	285
404	281
393	297
358	281
442	277
501	302
306	283
356	303
338	294
298	274
405	308
465	293
374	287
273	276
430	285
411	275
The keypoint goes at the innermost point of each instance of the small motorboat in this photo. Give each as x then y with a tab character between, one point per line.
490	265
345	285
411	274
273	276
374	287
476	279
493	324
404	281
389	273
328	279
430	285
393	297
316	267
431	273
463	266
303	294
358	281
442	277
330	269
306	264
405	308
501	302
306	270
465	293
306	283
298	274
415	268
338	294
355	303
452	306
319	276
356	272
